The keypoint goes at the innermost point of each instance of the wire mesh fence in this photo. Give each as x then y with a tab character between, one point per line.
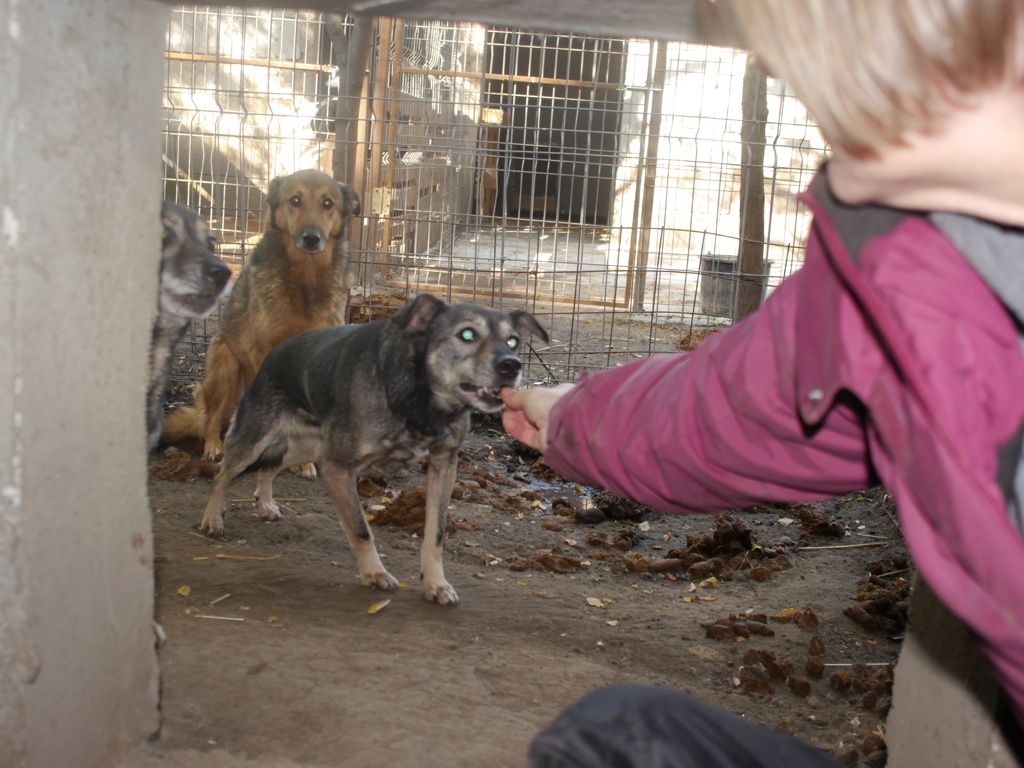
596	182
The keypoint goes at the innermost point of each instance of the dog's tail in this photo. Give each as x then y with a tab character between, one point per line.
183	423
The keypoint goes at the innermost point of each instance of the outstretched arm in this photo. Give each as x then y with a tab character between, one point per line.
709	430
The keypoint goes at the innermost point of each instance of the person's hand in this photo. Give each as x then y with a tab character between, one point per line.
528	411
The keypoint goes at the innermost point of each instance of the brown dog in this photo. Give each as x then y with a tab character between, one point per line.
296	280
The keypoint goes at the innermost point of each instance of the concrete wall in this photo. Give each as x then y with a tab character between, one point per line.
79	245
947	707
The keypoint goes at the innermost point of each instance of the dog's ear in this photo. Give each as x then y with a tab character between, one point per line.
417	315
273	199
274	192
527	323
348	194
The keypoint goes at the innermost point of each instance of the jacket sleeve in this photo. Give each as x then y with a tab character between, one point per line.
713	429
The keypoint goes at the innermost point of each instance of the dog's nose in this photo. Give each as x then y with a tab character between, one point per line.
509	366
310	240
217	272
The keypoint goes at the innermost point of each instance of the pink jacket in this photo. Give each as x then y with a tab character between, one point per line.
886	357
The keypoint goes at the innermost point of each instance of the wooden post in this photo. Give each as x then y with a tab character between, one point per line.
750	260
350	131
378	134
648	173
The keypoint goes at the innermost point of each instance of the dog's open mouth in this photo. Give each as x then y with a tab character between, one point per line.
488	395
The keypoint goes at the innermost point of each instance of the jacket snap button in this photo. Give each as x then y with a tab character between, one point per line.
815	394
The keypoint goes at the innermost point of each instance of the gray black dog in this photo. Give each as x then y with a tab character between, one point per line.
375	397
192	281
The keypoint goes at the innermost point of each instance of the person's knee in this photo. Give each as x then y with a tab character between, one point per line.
614	703
614	726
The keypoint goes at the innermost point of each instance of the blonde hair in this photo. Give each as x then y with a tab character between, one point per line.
872	71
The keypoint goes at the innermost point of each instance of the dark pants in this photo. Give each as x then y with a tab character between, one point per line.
645	727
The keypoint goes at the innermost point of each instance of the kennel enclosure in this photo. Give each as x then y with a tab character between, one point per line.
611	186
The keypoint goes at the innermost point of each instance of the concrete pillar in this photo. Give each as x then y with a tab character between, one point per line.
945	697
80	190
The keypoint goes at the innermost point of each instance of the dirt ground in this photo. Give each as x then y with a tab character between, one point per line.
275	654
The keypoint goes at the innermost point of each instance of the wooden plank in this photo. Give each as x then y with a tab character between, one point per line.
207	58
690	21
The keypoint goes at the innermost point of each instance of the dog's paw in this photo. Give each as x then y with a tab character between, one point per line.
269	510
305	471
441	593
213	451
212	527
379	580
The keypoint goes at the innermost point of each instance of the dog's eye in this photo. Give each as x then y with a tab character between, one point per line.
328	203
211	243
295	200
467	334
513	342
